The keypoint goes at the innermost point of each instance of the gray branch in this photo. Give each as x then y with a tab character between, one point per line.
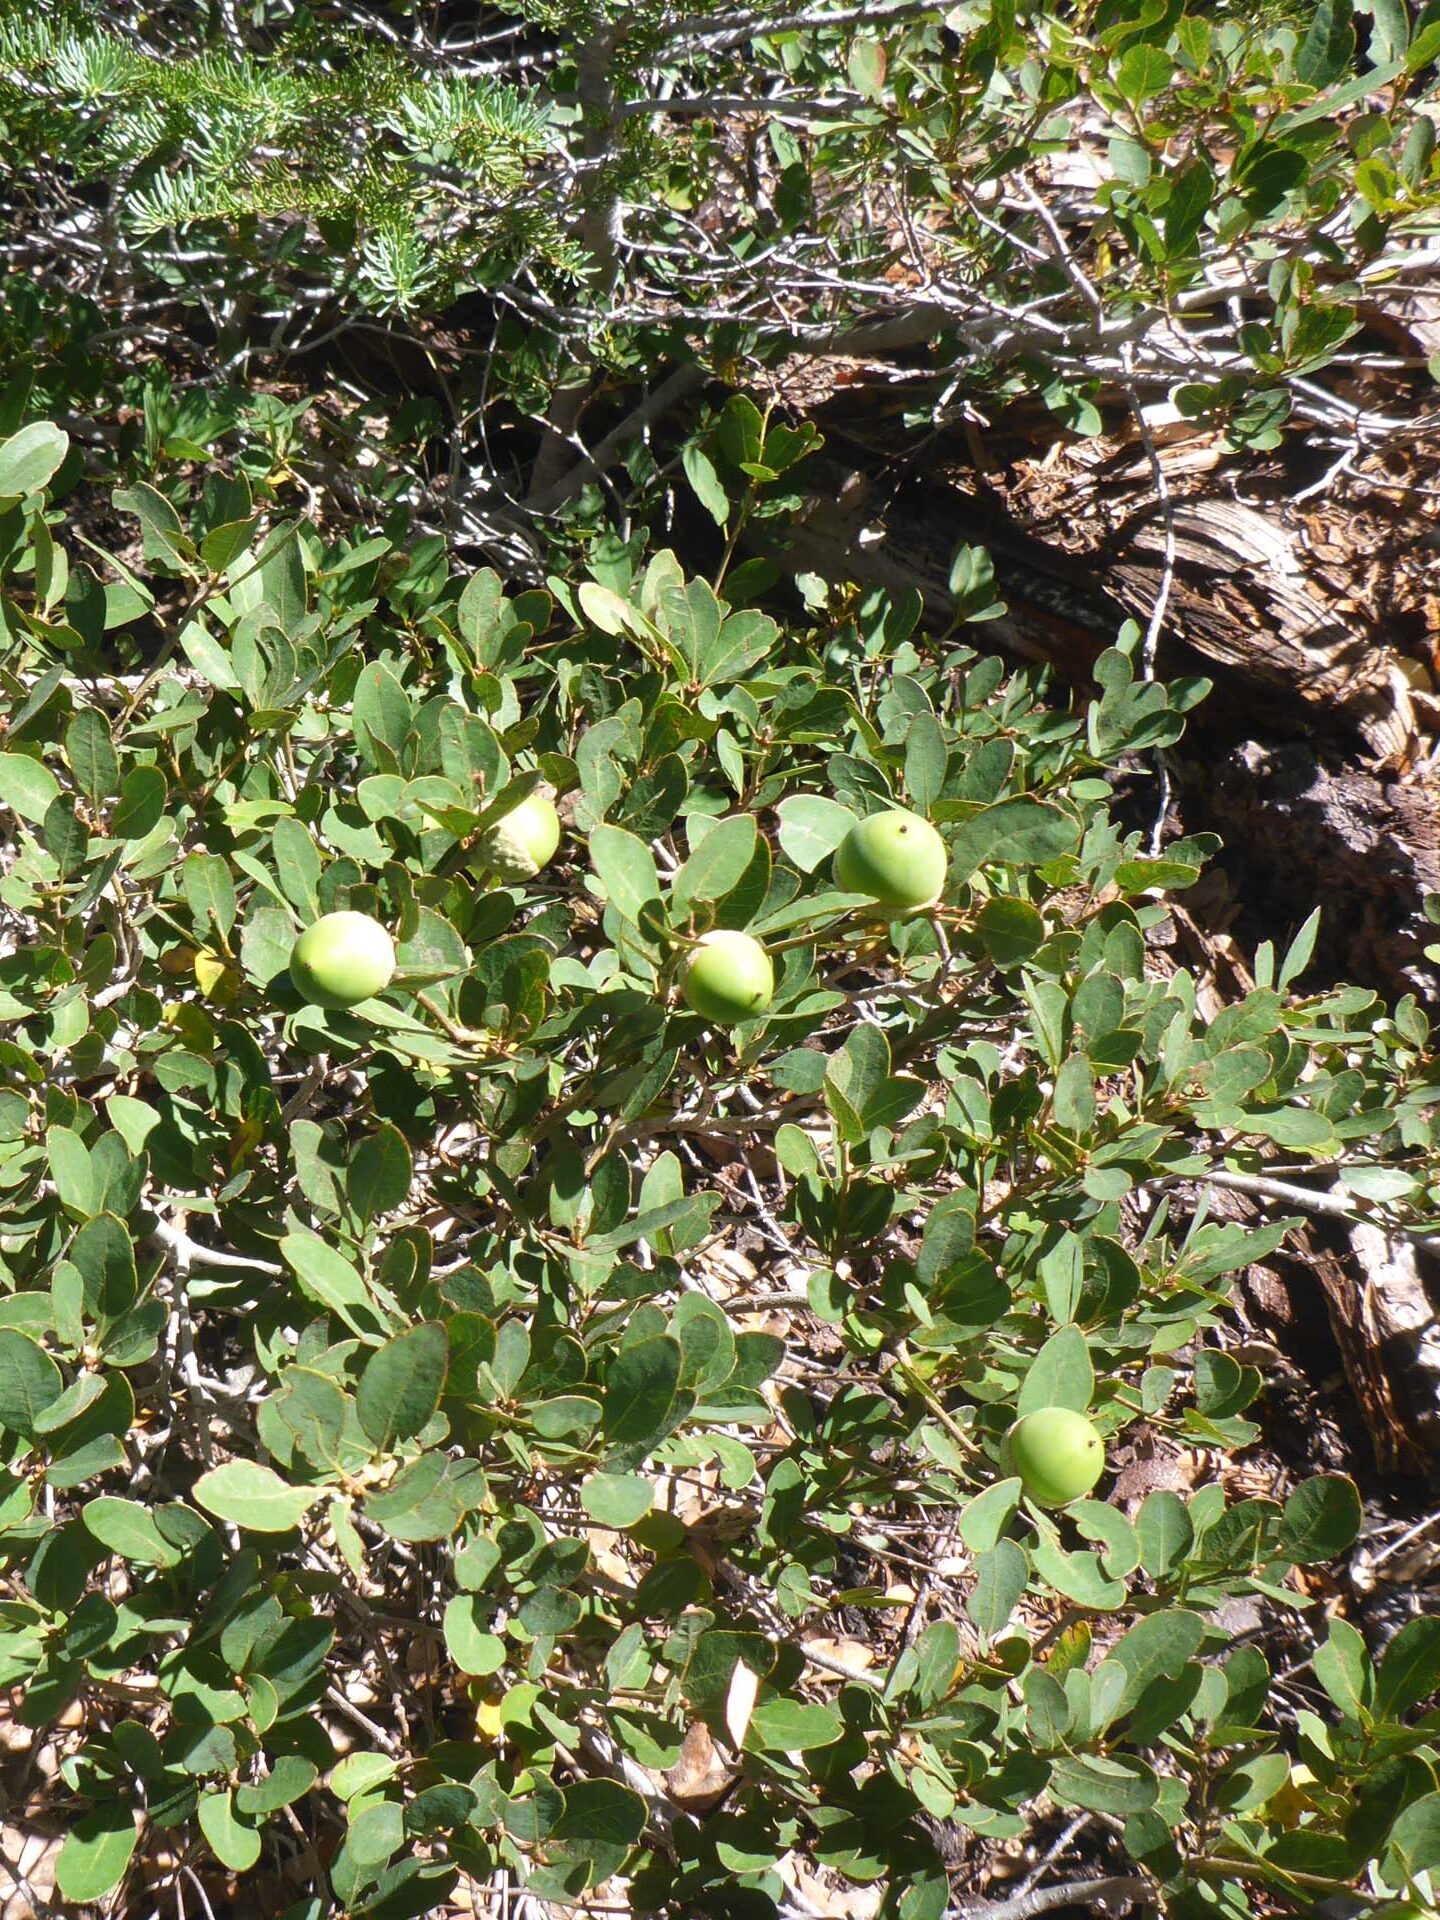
1027	1906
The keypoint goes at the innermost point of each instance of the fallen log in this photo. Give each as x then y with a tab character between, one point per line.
1305	759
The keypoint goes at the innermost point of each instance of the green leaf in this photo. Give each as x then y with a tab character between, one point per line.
742	430
254	1497
602	1820
1118	1540
1157	1647
76	1185
27	786
854	1076
329	1278
811	828
1409	1668
377	1832
984	1519
290	1779
312	1406
266	943
138	811
91	753
130	1529
791	1726
706	483
1222	1386
470	1643
1192	190
30	1382
103	1254
640	1388
741	643
162	529
382	711
1144	70
1073	1100
30	459
1342	1666
1119	1784
205	653
866	67
1322	1518
361	1773
1001	1575
1298	1127
626	869
1329	45
1022	832
297	864
937	1654
1061	1375
707	1343
427	1500
272	577
232	1841
1413	1846
209	894
605	609
380	1174
1378	1183
1010	930
926	760
402	1384
1265	174
1390	35
224	544
1078	1576
95	1854
616	1500
948	1237
1166	1534
66	836
682	1216
1062	1272
718	864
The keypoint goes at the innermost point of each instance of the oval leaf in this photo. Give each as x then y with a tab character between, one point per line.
254	1497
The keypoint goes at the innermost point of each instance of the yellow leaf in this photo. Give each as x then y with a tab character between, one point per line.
215	979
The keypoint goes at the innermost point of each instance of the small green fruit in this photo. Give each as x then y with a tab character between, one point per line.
728	977
1057	1454
343	959
521	843
896	857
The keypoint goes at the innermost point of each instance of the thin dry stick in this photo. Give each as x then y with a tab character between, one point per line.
1333	1205
1167	575
1027	1906
386	1741
1057	1849
658	402
190	1253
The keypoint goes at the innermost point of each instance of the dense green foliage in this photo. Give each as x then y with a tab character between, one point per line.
510	1427
405	1317
1043	198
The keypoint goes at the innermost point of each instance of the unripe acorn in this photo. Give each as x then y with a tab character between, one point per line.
1057	1453
896	857
522	842
728	977
343	959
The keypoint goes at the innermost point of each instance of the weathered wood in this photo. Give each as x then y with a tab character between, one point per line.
1298	834
1377	1303
1296	684
1241	604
